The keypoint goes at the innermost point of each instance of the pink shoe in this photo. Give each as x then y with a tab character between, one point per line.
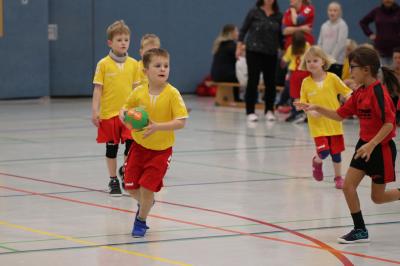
317	170
339	182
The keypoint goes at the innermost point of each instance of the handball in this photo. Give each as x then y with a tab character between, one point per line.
136	118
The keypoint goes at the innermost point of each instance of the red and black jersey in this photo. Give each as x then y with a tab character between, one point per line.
373	107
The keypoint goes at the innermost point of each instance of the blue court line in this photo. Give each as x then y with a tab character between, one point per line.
189	238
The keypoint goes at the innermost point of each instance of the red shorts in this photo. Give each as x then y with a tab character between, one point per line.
112	130
334	144
296	78
146	168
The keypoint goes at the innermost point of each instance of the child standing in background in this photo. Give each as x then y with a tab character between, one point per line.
375	152
151	151
113	81
333	36
322	88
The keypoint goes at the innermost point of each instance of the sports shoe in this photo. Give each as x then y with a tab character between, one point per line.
355	236
121	172
138	210
339	182
139	228
284	109
252	117
270	116
301	118
115	189
317	170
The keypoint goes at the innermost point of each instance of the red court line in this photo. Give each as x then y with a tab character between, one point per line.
185	222
204	226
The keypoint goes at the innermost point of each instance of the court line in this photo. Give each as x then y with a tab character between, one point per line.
90	243
181	205
345	261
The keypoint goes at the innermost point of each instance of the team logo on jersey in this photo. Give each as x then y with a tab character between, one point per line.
307	10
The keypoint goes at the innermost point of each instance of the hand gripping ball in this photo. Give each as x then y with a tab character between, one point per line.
136	118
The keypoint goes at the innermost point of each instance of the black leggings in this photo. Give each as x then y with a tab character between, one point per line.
257	63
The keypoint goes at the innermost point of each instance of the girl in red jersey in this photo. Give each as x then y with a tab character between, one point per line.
375	151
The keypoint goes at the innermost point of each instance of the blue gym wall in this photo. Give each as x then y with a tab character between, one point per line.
31	66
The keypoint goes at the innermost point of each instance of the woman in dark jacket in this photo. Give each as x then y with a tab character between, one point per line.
262	26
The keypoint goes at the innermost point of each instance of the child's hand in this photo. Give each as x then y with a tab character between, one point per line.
314	114
122	115
364	151
150	129
304	106
95	119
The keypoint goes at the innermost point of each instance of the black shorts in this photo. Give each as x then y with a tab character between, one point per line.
381	164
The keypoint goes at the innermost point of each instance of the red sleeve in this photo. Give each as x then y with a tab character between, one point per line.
349	108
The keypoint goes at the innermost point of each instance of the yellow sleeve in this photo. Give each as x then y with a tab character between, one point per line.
136	74
179	110
346	69
288	54
131	101
99	73
341	88
303	92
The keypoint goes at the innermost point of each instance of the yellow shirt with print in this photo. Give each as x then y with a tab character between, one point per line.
293	60
142	76
165	107
117	80
324	94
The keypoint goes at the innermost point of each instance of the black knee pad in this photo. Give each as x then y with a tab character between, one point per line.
111	150
128	144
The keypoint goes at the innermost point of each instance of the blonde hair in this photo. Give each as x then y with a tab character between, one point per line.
150	39
318	52
118	27
338	5
224	35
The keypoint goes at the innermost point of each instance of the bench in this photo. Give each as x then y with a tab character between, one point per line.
224	95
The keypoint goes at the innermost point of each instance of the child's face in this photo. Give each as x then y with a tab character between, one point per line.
147	47
396	59
158	69
119	44
334	12
358	73
314	63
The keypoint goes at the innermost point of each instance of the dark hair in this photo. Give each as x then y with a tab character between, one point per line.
275	6
153	52
396	49
298	43
227	29
368	57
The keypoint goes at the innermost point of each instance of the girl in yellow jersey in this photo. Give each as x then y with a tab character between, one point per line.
151	151
322	88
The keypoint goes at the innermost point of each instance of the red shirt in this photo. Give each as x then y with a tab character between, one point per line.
305	17
364	103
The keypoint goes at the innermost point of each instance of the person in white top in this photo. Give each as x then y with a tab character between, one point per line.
333	36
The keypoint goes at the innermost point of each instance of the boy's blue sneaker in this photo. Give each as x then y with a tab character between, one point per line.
355	236
139	228
138	210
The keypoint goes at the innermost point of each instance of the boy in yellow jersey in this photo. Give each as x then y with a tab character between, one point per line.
113	81
148	41
151	150
322	88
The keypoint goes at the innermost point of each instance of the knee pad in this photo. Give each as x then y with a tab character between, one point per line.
323	154
111	150
128	144
336	158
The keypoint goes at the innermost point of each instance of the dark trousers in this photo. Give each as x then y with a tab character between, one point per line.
257	63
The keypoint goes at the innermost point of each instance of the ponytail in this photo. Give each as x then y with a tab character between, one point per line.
390	80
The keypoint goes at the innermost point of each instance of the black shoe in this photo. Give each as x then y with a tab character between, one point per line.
121	172
115	189
355	236
291	118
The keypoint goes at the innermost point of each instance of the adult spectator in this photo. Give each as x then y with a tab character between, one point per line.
261	31
387	23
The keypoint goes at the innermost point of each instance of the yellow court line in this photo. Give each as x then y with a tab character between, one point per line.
89	243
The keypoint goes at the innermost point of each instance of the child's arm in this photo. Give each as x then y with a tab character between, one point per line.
365	150
165	126
332	114
96	104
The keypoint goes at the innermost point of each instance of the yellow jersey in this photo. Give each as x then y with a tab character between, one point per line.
325	94
293	60
142	76
165	107
117	80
